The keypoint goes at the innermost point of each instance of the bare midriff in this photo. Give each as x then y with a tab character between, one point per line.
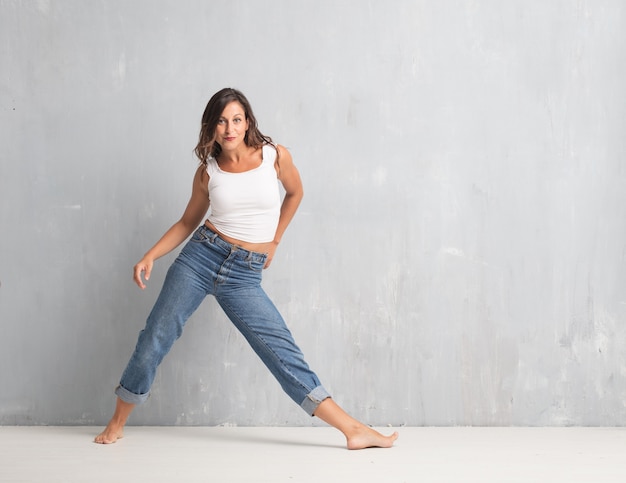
252	247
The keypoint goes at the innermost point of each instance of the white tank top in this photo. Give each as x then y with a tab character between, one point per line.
245	206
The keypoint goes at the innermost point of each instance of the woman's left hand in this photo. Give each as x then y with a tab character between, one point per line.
270	254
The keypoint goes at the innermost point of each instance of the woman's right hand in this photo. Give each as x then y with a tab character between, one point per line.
179	231
143	266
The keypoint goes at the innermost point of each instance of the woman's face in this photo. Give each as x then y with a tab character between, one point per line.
231	127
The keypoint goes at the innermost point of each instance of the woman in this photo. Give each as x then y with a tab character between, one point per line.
225	257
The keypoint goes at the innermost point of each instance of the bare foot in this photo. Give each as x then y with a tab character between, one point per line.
366	437
111	434
115	428
358	435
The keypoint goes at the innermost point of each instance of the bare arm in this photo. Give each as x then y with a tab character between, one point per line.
290	178
196	209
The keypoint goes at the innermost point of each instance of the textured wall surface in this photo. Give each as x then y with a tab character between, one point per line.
459	256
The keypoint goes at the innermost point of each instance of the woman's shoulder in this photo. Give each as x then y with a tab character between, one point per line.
283	161
201	175
277	149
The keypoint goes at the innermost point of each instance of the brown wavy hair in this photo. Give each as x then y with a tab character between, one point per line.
207	146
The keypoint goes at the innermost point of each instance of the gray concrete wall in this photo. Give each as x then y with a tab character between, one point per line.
459	256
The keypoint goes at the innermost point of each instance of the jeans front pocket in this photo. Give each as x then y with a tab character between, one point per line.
256	261
200	235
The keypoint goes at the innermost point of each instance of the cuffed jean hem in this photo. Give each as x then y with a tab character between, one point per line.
314	399
130	397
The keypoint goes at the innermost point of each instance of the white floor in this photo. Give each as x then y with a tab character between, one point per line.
234	454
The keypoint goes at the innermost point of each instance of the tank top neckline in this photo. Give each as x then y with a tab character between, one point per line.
217	164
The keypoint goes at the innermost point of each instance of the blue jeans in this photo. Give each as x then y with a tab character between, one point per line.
210	265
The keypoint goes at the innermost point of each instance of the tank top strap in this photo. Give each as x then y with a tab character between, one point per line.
211	165
269	154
